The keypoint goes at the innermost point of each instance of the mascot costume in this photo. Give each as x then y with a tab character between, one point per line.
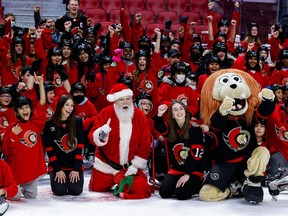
231	103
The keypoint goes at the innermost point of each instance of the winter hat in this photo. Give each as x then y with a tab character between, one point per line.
118	91
117	55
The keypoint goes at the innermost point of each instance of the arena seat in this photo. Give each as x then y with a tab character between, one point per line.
156	5
85	4
104	28
114	15
216	17
146	17
163	16
177	5
192	16
200	6
108	5
133	5
149	28
97	15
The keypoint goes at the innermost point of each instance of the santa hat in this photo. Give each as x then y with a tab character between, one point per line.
118	91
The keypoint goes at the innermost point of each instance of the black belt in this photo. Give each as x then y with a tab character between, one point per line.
114	165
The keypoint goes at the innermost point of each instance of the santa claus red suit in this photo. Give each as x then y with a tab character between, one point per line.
125	148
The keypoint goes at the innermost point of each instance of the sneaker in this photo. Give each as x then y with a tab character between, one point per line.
3	205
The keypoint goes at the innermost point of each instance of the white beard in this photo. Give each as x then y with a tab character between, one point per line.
124	115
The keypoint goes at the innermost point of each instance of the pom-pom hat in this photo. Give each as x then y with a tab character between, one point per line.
118	91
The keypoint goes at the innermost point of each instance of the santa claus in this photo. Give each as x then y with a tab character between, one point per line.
122	137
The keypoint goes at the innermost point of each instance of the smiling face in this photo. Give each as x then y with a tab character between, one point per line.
50	96
142	63
279	95
123	103
5	99
252	61
66	50
67	109
127	53
178	113
24	112
213	67
145	106
56	59
73	7
259	130
232	85
83	56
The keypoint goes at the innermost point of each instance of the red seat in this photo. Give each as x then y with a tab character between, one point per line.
200	6
177	5
216	17
97	15
163	16
192	17
133	5
104	27
156	5
174	28
149	28
85	4
202	30
111	4
146	17
114	15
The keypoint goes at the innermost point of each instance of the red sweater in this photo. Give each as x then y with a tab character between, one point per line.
7	181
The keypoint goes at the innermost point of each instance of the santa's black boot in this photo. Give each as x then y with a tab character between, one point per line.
252	192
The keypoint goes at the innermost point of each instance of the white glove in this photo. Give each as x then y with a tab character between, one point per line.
105	129
226	106
131	170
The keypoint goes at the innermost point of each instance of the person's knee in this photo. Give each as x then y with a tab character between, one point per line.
75	191
59	191
211	193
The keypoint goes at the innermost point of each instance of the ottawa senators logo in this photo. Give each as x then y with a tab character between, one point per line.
3	122
57	80
16	72
63	144
146	86
280	133
49	112
237	139
29	139
181	153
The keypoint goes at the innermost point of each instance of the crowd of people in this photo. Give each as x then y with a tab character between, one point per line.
113	100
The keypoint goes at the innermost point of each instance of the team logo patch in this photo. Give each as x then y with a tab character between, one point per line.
16	72
3	122
49	112
181	153
63	144
214	176
146	86
237	139
29	139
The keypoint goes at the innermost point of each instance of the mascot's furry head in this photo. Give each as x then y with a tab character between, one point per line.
231	83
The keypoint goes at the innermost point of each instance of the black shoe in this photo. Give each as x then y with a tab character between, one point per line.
253	194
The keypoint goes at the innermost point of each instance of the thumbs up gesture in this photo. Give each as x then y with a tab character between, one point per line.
105	129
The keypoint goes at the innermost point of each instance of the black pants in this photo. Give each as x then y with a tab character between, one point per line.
168	187
68	187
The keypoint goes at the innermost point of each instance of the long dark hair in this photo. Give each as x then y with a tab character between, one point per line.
56	118
174	129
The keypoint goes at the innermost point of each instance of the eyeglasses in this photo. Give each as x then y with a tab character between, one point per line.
144	104
5	96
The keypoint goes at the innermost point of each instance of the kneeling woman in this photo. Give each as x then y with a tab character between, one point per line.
185	143
63	139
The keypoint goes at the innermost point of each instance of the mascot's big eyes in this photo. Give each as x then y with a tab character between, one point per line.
225	79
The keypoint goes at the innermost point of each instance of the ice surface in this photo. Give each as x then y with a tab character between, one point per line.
106	204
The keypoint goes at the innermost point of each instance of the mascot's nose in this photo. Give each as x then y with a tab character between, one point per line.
233	86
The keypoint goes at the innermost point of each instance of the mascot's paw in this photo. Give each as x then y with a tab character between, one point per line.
253	194
266	94
226	106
